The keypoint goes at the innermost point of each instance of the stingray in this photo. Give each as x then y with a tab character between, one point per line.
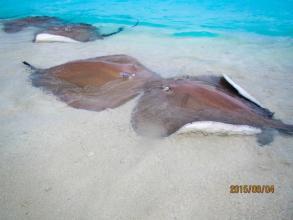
94	84
52	29
211	104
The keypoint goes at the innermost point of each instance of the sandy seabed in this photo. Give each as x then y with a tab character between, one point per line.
57	162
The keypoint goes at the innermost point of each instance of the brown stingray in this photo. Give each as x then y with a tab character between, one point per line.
166	104
17	25
78	32
95	84
51	25
169	104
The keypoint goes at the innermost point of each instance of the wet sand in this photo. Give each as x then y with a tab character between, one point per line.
57	162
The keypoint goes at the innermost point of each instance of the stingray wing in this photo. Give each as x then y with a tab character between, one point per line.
155	116
227	85
16	25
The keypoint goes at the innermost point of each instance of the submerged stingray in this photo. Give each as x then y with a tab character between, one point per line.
52	29
95	84
71	33
190	104
16	25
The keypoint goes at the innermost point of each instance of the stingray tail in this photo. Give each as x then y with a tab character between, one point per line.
120	29
282	127
30	66
286	129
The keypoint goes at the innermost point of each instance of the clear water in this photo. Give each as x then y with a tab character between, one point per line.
186	18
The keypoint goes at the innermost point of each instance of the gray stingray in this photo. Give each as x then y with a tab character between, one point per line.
96	83
192	103
52	29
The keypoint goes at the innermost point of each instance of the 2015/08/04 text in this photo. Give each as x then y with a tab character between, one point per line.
252	188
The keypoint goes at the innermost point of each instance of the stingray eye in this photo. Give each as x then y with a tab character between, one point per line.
167	89
125	75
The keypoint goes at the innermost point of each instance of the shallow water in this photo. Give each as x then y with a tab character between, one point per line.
57	162
271	17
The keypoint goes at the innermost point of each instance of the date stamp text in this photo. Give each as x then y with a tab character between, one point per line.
252	188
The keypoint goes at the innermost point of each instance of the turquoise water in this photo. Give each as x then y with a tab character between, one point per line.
187	18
